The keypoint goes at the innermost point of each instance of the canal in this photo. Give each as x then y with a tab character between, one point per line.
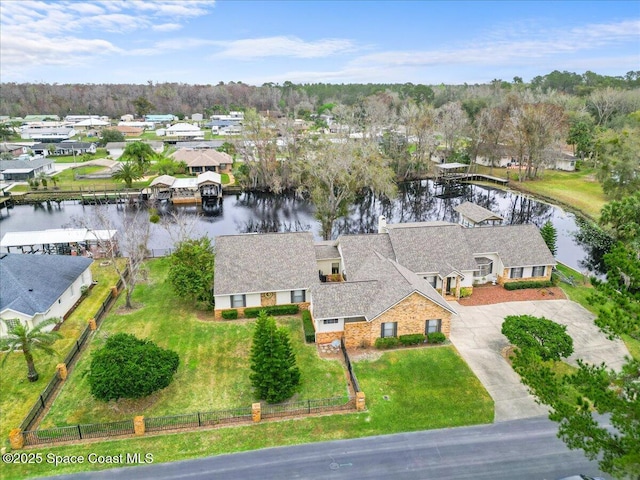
419	201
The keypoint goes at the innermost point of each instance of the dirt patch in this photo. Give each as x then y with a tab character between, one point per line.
205	316
490	294
508	353
123	310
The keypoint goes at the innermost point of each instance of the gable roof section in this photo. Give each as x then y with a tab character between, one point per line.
356	248
32	283
326	250
379	284
432	248
201	157
476	213
267	262
517	245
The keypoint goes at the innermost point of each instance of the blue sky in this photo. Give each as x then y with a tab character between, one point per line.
205	42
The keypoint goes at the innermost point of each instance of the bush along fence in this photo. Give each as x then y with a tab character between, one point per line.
62	369
141	425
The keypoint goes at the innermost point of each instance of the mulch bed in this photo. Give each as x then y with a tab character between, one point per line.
490	294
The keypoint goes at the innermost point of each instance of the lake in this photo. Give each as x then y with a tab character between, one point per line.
259	212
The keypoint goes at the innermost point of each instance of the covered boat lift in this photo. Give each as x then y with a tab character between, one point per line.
61	241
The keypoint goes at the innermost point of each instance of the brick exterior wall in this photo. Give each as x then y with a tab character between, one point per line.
504	278
267	299
328	337
410	314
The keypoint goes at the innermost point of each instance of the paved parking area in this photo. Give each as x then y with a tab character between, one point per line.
475	332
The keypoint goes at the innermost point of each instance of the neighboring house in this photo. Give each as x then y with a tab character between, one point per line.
91	125
363	287
25	167
204	160
129	131
64	148
61	241
183	130
40	118
197	117
557	160
37	287
116	149
145	125
82	118
200	145
54	134
472	215
14	149
167	118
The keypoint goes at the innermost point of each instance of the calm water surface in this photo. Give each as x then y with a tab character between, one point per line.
250	212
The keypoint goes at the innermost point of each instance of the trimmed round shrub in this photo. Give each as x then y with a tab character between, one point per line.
128	367
436	337
387	342
231	314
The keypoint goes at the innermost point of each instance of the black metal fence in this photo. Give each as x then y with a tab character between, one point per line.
347	361
186	421
307	407
198	419
69	360
78	432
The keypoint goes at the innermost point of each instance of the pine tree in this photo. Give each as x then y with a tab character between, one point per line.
275	374
550	236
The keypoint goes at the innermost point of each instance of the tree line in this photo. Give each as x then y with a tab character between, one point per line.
114	100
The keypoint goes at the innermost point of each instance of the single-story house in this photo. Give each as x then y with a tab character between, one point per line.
22	169
557	159
362	287
116	149
159	118
38	287
54	134
183	130
67	147
204	160
14	149
91	124
129	131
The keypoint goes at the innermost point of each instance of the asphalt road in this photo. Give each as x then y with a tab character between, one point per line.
513	450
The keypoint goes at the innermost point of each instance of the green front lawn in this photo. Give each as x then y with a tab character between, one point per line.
17	395
427	388
214	360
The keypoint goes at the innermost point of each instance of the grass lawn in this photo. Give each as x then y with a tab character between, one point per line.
224	177
214	360
100	153
450	396
17	394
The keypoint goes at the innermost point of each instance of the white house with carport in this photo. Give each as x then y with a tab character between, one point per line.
38	287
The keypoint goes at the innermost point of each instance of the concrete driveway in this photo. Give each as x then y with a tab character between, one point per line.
475	332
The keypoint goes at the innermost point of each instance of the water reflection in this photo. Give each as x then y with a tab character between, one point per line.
259	212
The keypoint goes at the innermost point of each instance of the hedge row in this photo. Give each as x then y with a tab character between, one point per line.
231	314
527	284
307	324
413	339
387	342
275	310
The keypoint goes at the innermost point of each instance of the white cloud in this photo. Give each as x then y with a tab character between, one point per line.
166	27
282	46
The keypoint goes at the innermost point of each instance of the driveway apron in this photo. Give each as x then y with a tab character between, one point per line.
476	333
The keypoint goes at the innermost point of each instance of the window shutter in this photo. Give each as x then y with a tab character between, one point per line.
382	330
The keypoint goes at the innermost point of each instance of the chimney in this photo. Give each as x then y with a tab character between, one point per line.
382	224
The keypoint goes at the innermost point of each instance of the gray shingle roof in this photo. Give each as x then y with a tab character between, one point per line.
264	263
475	213
26	164
517	245
425	249
379	284
326	250
356	248
30	284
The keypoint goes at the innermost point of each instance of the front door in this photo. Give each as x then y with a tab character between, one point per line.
449	282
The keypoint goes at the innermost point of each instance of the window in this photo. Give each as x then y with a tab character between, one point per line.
389	329
238	301
335	268
432	279
516	272
11	323
538	271
297	296
329	321
486	269
432	326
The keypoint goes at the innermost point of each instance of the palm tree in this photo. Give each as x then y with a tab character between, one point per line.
140	153
22	338
128	173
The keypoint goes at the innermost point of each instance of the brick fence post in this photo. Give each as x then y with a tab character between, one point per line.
360	402
256	412
92	324
138	425
16	439
61	368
